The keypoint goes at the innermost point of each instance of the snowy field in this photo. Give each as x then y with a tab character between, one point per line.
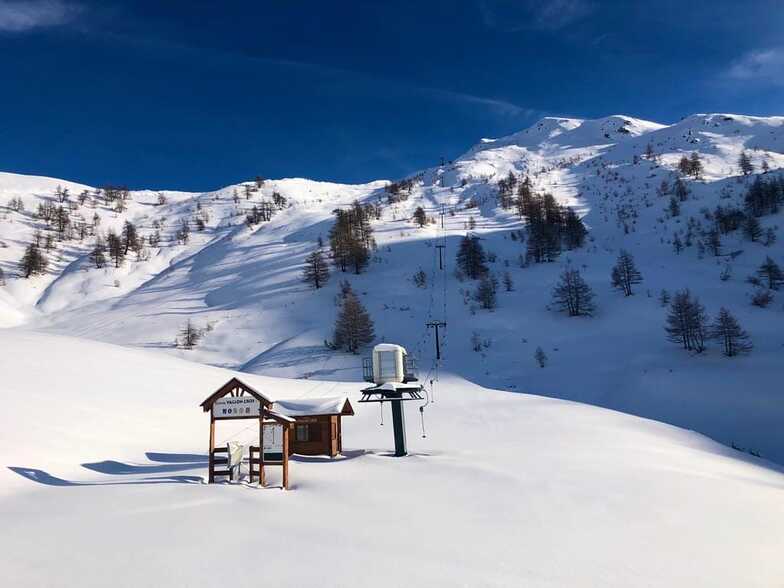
520	480
107	455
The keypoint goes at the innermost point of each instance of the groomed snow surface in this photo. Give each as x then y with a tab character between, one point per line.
106	448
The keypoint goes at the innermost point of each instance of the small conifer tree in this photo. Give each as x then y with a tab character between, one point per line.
316	271
420	217
625	273
354	327
33	261
540	357
573	295
728	331
771	273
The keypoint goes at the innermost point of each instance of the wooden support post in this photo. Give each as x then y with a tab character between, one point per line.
262	479
340	434
286	457
211	458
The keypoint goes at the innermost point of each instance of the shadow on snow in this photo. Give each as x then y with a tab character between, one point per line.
166	463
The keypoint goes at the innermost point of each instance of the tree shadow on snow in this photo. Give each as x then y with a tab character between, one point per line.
279	356
119	468
163	463
48	479
176	457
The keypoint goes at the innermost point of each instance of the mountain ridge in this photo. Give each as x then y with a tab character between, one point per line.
242	283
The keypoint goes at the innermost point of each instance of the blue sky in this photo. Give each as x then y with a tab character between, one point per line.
196	94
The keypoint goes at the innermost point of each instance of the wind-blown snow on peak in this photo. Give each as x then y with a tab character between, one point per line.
545	129
616	128
729	121
572	132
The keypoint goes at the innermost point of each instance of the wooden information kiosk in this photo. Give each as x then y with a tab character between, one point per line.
237	400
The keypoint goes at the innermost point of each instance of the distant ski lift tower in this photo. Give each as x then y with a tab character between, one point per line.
440	256
392	372
436	325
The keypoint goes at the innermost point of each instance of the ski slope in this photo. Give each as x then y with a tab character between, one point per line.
243	283
103	449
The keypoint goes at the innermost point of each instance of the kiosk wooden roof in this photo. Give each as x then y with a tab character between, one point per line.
235	387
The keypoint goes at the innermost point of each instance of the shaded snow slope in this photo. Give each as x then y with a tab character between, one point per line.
244	283
103	456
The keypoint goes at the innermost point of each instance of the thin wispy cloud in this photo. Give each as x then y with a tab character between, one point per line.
22	16
493	106
518	15
764	66
501	108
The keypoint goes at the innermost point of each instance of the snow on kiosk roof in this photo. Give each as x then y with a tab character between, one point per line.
334	405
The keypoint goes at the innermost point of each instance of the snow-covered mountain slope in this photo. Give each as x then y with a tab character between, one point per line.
243	283
572	132
104	463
